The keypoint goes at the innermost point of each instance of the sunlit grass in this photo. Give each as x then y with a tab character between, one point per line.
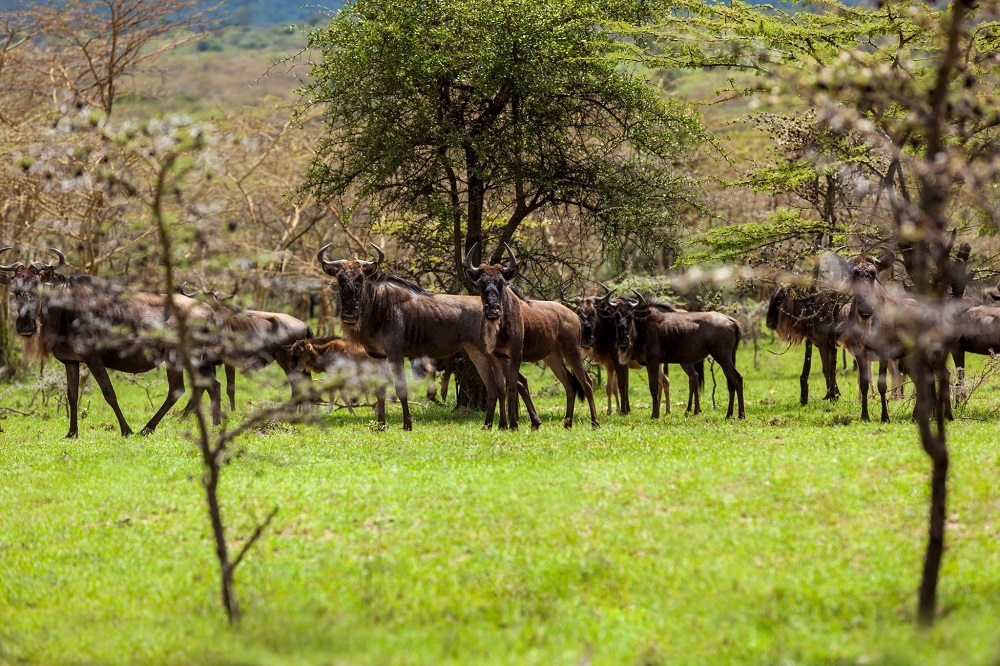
793	537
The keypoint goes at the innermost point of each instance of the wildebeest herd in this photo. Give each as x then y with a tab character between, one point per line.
386	319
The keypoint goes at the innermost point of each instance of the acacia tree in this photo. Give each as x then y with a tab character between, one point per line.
841	176
919	87
465	118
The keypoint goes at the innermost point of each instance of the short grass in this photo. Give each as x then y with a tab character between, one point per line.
795	537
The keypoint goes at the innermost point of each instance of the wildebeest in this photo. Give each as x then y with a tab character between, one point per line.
655	334
885	326
523	329
429	369
598	338
810	317
85	320
253	339
394	318
347	367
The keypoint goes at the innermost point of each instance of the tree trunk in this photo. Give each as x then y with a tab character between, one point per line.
471	389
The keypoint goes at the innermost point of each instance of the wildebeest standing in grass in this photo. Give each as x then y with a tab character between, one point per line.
884	326
654	334
598	338
809	317
394	318
85	320
548	332
347	367
253	339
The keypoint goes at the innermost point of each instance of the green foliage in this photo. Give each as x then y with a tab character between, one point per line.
457	110
754	240
791	538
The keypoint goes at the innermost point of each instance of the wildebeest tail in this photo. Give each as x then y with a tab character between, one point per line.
577	386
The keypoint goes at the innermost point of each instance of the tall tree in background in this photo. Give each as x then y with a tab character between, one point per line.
464	118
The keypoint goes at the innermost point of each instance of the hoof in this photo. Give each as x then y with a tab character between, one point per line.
72	434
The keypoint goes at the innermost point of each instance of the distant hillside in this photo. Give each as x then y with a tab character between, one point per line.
284	12
250	12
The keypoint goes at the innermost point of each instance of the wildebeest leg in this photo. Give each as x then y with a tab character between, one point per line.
513	377
804	377
665	382
828	359
611	388
864	382
399	375
449	365
653	375
231	386
214	394
379	403
175	389
489	369
73	396
621	375
100	374
529	405
734	381
883	366
555	362
694	390
575	361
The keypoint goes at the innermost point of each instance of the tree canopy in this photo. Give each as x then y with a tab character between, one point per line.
465	117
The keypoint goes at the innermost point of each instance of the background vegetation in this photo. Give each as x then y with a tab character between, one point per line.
794	537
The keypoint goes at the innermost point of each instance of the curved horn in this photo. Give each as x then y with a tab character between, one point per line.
468	257
11	267
322	252
511	269
606	297
62	258
185	292
381	255
642	301
885	258
605	288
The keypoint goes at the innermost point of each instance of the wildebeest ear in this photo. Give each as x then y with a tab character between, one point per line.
473	273
4	278
369	268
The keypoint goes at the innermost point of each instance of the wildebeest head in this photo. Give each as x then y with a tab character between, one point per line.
587	311
622	312
302	356
778	299
351	275
861	273
25	282
491	279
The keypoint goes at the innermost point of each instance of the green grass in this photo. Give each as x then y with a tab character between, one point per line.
784	539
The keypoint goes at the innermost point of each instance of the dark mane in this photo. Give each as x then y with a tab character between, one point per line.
518	293
397	281
663	307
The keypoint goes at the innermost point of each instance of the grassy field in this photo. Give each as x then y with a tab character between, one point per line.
794	537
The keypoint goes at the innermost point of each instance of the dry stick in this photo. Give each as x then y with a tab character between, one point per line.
212	456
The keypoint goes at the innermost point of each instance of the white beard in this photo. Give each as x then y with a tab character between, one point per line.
491	327
33	348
